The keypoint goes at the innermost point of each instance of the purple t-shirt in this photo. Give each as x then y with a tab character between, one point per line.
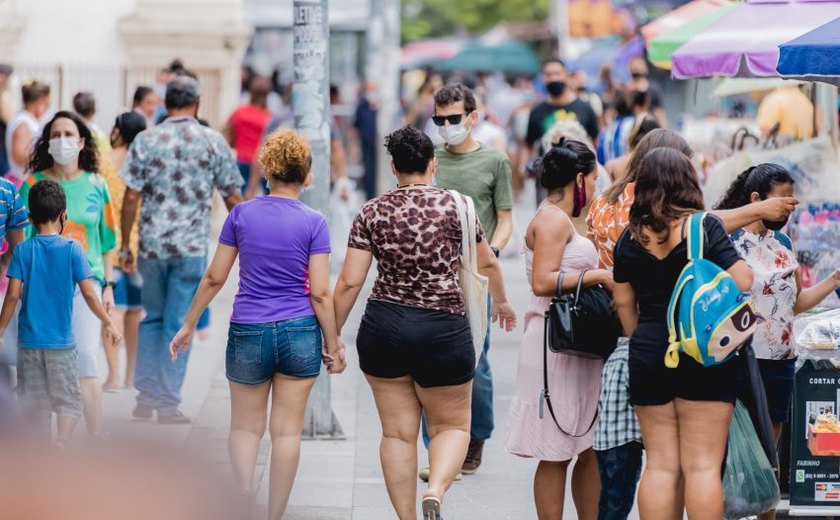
275	238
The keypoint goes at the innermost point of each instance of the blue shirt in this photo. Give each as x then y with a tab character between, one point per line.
13	213
50	268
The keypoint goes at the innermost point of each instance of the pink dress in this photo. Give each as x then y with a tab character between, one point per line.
574	382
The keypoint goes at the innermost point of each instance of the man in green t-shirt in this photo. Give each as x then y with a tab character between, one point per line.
484	174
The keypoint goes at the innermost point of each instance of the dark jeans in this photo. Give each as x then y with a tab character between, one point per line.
620	469
369	159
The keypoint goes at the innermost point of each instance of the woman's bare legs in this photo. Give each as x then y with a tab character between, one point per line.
703	428
550	489
133	318
399	413
660	486
112	352
448	415
288	407
92	405
248	412
586	485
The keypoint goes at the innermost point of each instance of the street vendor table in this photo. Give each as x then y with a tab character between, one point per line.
815	457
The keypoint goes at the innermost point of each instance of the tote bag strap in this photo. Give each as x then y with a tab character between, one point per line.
471	235
468	231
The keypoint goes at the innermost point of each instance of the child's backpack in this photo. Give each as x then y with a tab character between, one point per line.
709	318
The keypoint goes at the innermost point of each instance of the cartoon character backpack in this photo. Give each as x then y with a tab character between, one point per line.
709	318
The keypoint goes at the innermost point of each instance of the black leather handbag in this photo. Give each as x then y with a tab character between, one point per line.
582	324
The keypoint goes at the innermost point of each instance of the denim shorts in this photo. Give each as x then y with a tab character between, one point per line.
128	290
257	351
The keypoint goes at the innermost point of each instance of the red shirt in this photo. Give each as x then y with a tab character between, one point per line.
248	123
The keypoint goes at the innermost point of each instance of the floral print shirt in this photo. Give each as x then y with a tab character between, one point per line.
605	226
774	291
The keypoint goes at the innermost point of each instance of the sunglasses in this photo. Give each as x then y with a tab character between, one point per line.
454	119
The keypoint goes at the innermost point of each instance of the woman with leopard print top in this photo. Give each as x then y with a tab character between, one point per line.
414	343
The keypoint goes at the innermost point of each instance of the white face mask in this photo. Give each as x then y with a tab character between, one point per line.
64	150
454	135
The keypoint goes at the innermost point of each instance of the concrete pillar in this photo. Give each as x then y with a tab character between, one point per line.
11	26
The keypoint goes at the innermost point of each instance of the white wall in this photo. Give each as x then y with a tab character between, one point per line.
65	32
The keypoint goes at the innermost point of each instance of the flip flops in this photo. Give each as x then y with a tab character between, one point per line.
431	508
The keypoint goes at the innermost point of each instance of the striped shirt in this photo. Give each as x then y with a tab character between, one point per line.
13	214
617	422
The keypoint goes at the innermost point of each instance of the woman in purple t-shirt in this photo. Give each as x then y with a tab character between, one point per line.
282	315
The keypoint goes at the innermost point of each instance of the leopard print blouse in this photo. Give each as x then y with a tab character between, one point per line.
415	235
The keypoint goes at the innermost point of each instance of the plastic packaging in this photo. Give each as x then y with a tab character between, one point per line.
749	482
820	331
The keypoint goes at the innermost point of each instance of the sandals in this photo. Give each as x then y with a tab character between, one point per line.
431	508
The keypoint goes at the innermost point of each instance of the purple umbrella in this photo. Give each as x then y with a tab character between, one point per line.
745	42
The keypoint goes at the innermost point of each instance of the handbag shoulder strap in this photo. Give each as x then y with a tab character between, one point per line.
472	231
545	397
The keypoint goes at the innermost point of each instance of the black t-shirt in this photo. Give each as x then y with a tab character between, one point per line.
544	115
656	96
653	280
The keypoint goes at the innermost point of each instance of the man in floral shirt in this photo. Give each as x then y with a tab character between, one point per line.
173	168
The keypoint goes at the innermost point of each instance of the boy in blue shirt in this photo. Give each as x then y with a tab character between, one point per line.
43	276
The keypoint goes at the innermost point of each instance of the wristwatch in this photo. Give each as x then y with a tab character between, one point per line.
495	251
112	284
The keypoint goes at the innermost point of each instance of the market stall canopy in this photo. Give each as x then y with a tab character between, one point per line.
680	16
736	86
661	48
428	52
511	56
813	54
745	42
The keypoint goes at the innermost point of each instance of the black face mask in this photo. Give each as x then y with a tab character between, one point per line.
638	75
774	225
556	88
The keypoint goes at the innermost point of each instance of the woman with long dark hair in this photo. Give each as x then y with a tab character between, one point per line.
66	153
684	412
553	249
777	294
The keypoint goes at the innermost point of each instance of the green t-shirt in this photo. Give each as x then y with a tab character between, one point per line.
90	216
483	175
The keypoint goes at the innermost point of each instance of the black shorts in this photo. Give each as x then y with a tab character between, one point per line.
652	383
778	376
433	347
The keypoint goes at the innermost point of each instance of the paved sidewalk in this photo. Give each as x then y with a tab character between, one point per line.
343	479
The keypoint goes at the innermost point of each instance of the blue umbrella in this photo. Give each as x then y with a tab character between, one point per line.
815	53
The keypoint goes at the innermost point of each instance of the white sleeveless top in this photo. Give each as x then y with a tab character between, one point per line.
22	118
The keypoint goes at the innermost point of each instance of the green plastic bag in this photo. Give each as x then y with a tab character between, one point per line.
749	482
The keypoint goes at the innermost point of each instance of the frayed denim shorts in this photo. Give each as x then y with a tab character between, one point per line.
257	351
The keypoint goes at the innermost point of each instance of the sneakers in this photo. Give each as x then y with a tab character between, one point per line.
143	411
174	418
473	460
425	472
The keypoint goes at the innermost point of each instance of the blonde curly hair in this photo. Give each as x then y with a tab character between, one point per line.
286	156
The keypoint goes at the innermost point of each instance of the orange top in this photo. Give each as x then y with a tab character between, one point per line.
607	221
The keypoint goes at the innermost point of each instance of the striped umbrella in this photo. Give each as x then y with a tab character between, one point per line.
663	46
814	55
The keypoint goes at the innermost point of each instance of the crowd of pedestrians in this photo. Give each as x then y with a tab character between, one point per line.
108	237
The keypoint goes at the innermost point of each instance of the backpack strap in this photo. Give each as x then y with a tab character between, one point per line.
672	355
696	236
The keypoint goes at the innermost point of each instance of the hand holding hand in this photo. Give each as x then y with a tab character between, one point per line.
181	342
335	360
503	313
114	334
126	260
